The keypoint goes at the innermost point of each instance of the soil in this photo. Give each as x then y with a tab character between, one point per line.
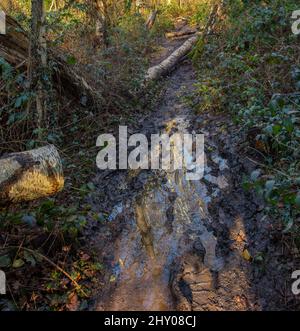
168	243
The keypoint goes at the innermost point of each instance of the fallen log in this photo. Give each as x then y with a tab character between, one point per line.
161	69
181	33
180	23
72	82
30	175
170	62
14	44
14	48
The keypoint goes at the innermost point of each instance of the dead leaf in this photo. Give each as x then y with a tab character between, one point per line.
246	255
34	296
66	248
121	262
260	145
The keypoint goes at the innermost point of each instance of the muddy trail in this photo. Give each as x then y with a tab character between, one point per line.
168	243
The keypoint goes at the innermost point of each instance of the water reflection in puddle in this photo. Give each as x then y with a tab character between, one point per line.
162	225
166	222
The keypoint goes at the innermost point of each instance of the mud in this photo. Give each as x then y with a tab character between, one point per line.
172	244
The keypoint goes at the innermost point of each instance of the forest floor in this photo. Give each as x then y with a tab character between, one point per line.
173	244
149	239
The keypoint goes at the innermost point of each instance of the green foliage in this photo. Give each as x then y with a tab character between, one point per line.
13	106
253	72
68	220
195	10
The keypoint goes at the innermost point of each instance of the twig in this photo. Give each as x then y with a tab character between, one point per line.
268	167
52	263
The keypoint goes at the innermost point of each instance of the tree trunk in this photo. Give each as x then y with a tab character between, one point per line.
151	19
100	14
30	175
38	59
14	48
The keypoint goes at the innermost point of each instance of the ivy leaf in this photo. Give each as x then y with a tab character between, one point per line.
288	225
91	186
5	261
29	219
255	174
71	60
21	100
276	129
269	187
18	263
29	258
297	200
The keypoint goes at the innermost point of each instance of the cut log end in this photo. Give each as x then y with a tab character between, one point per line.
30	175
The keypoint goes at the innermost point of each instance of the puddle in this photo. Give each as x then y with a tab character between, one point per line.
162	224
117	210
166	222
174	244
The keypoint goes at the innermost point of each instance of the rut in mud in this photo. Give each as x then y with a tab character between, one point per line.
174	244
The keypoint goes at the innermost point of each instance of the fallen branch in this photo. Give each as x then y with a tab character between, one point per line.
165	66
169	63
30	175
43	257
14	48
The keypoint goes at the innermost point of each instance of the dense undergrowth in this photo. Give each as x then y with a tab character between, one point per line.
250	69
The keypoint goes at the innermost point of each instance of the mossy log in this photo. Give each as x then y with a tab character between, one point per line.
30	175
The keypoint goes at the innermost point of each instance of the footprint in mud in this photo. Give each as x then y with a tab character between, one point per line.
192	283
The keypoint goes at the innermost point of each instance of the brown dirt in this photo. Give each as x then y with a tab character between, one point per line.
172	245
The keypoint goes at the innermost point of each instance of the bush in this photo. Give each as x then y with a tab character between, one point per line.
254	75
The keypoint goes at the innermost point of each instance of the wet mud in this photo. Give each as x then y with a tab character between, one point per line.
168	243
